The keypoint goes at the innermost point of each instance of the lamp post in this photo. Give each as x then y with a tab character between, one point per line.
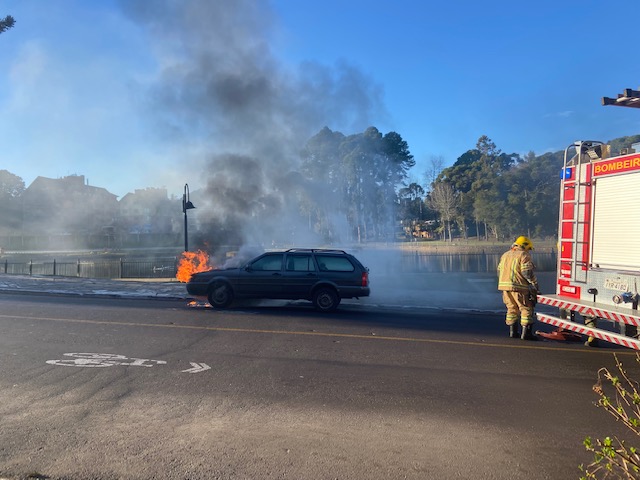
186	205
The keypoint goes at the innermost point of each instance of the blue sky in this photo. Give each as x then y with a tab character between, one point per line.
119	91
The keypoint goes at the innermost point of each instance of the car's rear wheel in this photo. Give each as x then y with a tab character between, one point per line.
220	295
326	299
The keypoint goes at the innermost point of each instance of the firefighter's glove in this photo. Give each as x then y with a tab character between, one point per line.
533	294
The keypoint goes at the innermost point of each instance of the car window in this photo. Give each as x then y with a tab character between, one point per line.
270	263
327	263
300	263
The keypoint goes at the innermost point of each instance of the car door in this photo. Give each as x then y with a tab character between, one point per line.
263	277
299	275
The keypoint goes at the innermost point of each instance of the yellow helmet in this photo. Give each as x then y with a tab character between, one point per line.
524	242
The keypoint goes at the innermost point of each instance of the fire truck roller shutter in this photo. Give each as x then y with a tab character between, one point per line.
616	228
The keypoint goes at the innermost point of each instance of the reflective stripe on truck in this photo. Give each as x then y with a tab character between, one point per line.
589	309
604	335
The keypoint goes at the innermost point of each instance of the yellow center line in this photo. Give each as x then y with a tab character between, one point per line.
527	345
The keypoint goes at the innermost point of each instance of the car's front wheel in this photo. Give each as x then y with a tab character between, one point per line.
326	299
220	295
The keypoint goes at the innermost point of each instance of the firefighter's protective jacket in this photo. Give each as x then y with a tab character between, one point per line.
516	271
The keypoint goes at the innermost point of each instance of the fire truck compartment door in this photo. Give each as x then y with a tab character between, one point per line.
616	229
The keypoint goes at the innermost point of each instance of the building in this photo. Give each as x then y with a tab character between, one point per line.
149	210
67	205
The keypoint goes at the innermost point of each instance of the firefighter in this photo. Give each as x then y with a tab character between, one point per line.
519	286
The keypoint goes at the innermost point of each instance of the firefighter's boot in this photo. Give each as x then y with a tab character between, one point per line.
513	331
592	342
527	334
591	323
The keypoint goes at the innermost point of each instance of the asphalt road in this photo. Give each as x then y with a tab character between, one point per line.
156	389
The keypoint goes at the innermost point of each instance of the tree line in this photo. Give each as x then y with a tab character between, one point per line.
490	194
485	194
354	179
355	188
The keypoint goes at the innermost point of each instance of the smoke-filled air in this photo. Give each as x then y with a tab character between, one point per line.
274	118
246	118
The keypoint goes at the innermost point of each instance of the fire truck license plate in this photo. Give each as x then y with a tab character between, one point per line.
616	284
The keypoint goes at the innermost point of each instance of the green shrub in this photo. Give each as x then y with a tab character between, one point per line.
619	396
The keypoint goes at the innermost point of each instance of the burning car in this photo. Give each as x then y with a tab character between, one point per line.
322	276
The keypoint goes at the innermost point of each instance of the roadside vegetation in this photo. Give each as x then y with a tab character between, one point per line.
619	395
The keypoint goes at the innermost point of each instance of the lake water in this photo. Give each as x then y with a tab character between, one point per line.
467	262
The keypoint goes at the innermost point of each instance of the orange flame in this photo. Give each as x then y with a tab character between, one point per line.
190	263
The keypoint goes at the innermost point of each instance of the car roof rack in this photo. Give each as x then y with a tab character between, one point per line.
314	250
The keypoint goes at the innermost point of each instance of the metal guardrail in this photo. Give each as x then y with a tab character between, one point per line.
156	268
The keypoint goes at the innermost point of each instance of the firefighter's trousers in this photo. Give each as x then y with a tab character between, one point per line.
519	307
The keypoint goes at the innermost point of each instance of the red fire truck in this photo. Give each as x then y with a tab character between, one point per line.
598	257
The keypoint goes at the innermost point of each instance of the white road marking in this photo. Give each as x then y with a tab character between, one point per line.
103	360
197	368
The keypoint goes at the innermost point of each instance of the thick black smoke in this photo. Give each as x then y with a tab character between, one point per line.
222	91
